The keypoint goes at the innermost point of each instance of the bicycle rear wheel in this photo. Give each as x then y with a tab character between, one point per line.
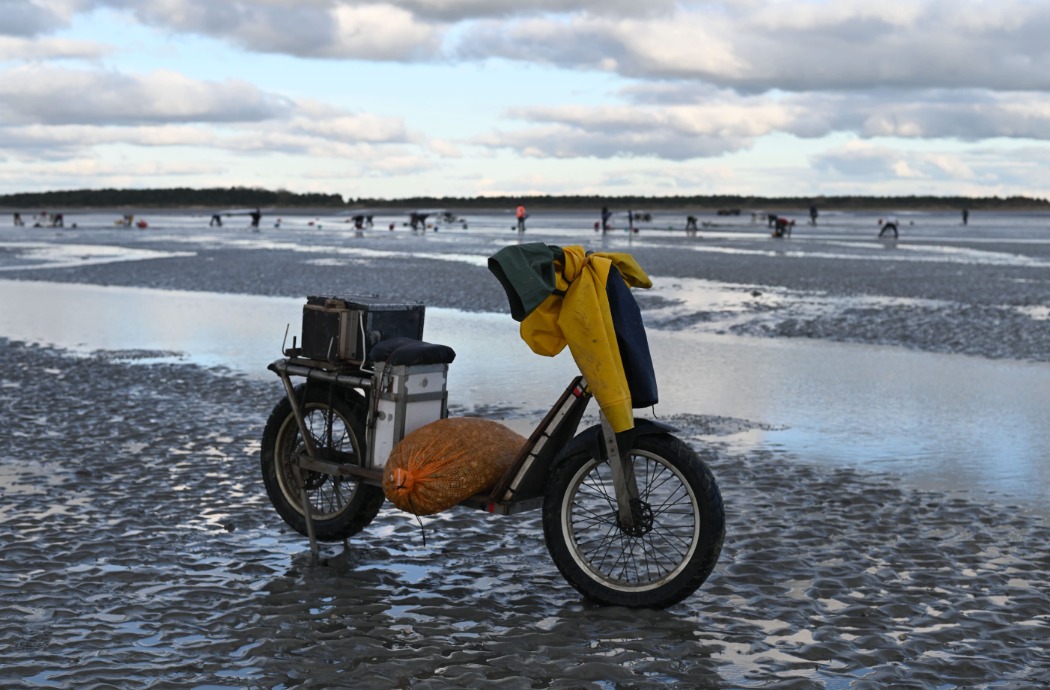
339	506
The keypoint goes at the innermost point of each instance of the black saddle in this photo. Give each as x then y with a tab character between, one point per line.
409	351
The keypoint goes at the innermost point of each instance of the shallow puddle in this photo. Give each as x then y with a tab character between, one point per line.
938	421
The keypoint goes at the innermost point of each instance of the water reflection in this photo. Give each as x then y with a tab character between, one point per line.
20	255
940	421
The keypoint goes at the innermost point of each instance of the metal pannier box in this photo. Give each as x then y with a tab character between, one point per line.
343	329
404	399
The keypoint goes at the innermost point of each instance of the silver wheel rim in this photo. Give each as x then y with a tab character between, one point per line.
614	558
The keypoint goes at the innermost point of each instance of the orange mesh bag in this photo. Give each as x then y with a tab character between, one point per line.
440	464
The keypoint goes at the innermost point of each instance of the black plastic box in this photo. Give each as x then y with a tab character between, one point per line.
343	329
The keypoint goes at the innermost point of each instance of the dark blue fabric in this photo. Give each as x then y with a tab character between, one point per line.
630	336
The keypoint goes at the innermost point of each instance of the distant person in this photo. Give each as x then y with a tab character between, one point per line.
521	215
606	215
216	220
690	226
966	216
58	221
418	220
813	215
18	220
256	217
783	227
771	220
630	221
359	222
889	226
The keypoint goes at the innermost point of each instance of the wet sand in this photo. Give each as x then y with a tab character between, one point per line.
138	547
978	302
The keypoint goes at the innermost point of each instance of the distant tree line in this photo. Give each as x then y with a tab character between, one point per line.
255	197
715	202
168	198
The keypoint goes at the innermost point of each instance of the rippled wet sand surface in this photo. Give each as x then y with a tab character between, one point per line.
139	548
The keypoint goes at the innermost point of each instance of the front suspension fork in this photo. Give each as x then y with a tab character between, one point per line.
625	485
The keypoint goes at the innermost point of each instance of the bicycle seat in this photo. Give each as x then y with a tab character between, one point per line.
409	351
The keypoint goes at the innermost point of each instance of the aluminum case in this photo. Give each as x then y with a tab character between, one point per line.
404	398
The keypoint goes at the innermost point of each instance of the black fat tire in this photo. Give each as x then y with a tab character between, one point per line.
605	564
340	506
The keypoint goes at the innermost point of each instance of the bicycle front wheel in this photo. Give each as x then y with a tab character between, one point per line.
669	551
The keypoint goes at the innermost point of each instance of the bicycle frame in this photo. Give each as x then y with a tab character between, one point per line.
522	486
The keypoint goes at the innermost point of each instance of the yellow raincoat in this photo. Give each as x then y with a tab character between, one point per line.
582	320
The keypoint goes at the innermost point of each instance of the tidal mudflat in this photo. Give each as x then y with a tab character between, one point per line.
138	546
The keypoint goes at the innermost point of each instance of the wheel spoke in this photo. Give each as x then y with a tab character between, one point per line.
612	535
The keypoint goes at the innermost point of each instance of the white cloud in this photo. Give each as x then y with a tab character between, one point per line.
53	95
382	32
319	29
51	143
881	161
660	123
445	149
16	49
49	113
673	132
965	115
749	46
796	46
57	143
332	124
26	18
457	10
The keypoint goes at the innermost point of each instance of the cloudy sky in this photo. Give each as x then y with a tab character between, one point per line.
477	97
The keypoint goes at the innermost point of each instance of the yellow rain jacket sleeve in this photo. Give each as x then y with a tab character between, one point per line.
581	319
